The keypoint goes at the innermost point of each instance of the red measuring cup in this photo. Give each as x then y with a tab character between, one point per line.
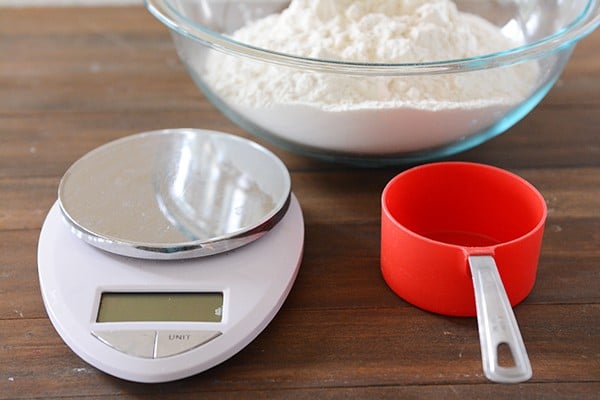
463	239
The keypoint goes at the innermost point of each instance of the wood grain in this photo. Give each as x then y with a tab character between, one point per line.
72	79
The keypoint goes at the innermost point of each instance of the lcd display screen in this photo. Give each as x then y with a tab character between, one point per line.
158	307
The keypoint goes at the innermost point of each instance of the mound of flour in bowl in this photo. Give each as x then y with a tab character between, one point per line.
370	115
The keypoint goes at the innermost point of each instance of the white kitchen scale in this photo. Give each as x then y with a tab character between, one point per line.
168	252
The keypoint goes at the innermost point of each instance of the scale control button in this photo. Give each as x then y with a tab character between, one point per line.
139	343
169	343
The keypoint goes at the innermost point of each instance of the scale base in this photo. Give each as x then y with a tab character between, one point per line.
254	281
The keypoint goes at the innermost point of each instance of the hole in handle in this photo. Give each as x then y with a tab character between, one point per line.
504	355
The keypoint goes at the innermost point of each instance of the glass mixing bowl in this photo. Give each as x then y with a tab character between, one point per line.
373	113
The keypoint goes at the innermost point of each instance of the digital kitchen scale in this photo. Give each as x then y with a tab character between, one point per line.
169	251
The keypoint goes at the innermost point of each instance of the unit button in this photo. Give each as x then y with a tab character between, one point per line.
169	343
139	343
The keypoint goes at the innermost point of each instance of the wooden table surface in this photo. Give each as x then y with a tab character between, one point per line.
73	79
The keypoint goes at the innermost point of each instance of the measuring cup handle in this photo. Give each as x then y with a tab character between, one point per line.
497	324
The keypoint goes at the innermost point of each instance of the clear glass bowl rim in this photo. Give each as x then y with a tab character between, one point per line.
585	23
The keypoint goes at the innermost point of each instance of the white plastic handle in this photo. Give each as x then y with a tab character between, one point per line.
497	324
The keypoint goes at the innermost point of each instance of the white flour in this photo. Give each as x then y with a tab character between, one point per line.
371	115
